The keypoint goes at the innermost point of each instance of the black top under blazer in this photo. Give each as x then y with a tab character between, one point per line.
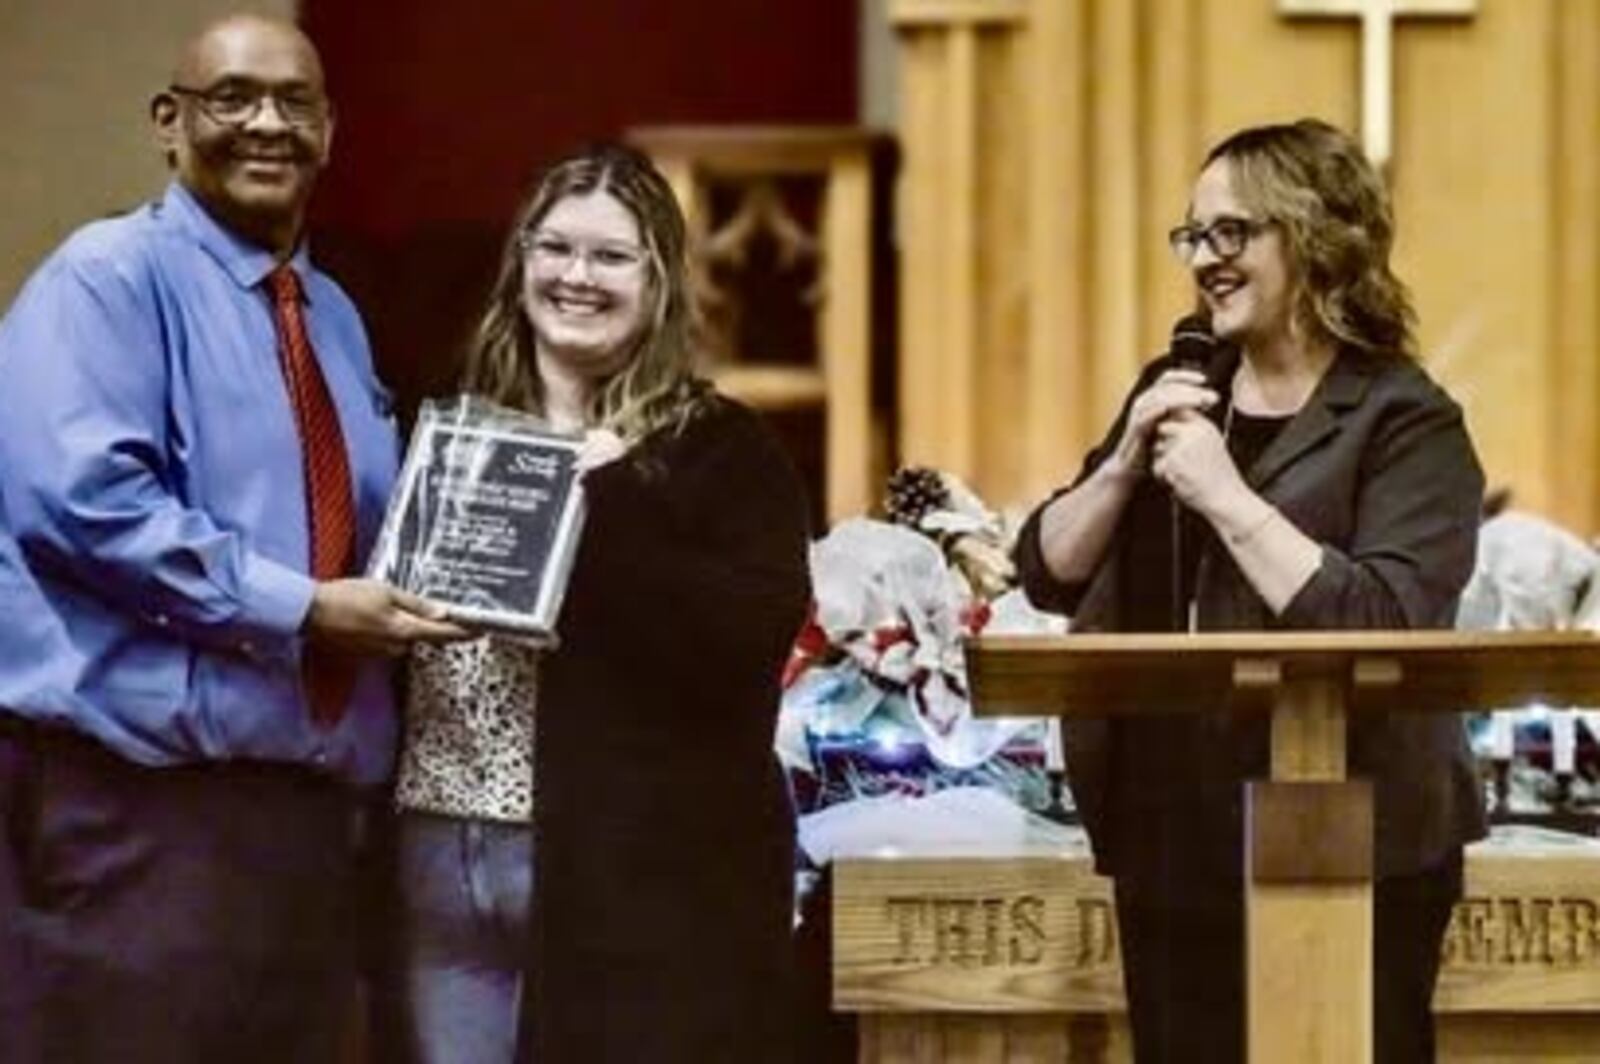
1377	467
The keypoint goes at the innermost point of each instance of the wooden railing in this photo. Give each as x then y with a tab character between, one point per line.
752	170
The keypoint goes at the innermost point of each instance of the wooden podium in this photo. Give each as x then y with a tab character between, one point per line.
1309	838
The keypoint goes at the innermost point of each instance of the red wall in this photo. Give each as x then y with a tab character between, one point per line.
446	108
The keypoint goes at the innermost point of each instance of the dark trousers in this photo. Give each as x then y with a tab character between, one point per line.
171	915
18	1035
1183	967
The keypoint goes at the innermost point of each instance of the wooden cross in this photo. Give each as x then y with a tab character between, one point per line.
1377	59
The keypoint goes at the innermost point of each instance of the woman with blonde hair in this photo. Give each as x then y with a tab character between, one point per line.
1325	482
653	819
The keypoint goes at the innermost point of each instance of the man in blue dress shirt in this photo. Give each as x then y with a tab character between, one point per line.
178	814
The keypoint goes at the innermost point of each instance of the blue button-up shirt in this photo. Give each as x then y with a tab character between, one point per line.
153	532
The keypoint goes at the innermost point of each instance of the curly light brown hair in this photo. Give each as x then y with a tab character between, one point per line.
655	387
1313	180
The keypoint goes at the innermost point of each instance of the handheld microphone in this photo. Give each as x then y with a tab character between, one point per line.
1192	346
1193	343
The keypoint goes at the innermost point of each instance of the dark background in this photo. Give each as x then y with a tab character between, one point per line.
446	111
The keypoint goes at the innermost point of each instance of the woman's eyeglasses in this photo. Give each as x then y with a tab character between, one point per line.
555	253
1227	237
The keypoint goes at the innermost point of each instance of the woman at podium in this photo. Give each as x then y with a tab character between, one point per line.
1289	467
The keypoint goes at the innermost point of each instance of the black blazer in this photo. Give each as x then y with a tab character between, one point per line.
1377	467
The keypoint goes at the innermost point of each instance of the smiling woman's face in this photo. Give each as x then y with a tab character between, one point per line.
1250	296
585	284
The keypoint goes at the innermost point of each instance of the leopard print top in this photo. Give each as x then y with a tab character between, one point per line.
468	748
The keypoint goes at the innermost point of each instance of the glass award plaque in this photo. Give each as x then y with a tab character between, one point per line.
485	518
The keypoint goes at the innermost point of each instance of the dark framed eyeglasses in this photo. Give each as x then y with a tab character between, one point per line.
236	103
1227	237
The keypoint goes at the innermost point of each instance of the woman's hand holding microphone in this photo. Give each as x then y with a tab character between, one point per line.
1178	395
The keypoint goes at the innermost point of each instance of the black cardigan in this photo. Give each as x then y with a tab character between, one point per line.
664	849
1377	467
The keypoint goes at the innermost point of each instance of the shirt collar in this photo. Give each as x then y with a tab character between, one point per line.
247	263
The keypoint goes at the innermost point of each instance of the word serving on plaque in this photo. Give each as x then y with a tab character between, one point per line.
485	519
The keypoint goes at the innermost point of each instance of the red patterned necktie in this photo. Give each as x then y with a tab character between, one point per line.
330	505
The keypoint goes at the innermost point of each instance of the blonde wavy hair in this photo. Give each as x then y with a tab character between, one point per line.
655	388
1313	180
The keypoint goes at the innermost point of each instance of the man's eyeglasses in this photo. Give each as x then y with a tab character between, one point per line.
556	253
1227	237
235	103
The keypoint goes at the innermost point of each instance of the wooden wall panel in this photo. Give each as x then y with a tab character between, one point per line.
1115	157
1001	379
1574	437
961	213
1171	115
926	373
1472	181
1055	414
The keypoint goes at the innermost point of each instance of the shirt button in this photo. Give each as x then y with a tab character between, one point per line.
161	620
247	647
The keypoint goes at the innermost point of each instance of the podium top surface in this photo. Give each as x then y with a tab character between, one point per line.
1421	671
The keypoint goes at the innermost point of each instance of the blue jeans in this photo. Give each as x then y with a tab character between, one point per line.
466	891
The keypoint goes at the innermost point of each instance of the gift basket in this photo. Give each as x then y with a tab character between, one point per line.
1541	763
875	705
